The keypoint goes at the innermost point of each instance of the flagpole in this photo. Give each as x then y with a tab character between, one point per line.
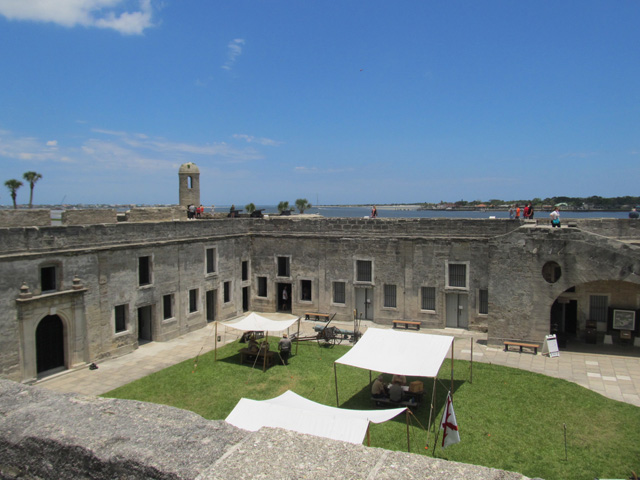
433	396
452	348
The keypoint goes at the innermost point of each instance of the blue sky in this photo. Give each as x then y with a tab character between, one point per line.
341	102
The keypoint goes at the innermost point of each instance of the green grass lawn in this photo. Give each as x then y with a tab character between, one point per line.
508	418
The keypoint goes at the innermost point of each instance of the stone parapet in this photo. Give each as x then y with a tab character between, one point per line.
88	216
45	434
156	214
25	218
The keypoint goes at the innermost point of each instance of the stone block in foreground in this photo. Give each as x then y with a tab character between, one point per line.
46	434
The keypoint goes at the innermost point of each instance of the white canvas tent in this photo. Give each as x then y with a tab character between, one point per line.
254	322
399	352
259	323
293	412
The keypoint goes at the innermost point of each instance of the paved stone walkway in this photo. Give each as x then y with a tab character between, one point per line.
612	375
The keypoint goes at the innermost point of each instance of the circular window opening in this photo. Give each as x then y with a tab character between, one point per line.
551	272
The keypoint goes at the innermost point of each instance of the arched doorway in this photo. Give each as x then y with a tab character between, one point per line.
50	344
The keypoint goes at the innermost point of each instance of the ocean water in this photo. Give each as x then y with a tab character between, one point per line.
386	212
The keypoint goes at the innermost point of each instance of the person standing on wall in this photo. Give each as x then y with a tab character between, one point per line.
555	218
517	212
374	212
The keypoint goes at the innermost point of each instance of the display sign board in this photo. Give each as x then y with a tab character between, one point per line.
550	347
624	320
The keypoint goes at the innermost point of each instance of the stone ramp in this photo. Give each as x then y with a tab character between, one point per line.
45	434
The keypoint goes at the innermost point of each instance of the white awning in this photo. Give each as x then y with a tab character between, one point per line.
399	352
293	412
258	323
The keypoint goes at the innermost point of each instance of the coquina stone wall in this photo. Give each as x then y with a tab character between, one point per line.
97	269
25	218
88	216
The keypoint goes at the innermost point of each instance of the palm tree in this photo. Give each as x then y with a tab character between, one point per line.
302	204
250	208
13	185
32	178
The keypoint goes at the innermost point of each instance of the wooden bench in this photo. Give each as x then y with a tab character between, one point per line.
246	356
406	324
508	344
318	316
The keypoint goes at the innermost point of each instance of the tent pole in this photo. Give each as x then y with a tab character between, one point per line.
471	363
335	376
215	350
298	336
368	435
407	420
452	348
264	352
433	396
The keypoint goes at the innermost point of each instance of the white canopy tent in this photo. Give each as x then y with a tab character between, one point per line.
400	353
259	323
293	412
254	322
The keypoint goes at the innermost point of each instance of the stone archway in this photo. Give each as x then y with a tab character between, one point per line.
50	344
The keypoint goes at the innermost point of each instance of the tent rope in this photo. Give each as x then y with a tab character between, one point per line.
195	360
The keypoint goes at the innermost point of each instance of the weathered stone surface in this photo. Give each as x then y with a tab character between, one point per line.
47	435
25	218
89	216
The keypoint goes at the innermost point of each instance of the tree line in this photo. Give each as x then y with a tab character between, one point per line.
592	202
13	185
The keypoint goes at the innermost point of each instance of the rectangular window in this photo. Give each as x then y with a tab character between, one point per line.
211	260
483	302
457	275
283	267
227	292
305	290
262	286
121	318
390	296
598	307
193	300
245	270
428	298
167	306
339	290
363	271
48	279
144	270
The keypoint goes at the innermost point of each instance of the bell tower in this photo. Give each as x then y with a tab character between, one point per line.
189	175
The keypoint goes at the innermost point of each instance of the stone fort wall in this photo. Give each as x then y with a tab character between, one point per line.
97	269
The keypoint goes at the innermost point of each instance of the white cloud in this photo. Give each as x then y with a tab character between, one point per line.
52	143
259	140
86	13
234	50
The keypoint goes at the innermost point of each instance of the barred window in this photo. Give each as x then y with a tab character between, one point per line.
339	295
227	292
363	271
211	260
457	275
262	286
305	290
428	298
167	306
193	300
283	267
390	296
483	302
121	318
598	307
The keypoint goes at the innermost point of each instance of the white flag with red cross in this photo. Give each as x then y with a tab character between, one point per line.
449	424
